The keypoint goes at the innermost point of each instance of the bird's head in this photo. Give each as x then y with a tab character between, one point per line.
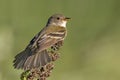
58	20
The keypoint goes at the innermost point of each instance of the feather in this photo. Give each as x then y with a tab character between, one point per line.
26	61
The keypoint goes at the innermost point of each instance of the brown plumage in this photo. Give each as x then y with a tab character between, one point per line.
36	54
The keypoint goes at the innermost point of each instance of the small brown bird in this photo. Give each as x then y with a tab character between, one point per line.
36	55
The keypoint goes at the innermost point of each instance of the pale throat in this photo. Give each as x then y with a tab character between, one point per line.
62	24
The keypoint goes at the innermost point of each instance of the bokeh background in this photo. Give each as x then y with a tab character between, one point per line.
91	50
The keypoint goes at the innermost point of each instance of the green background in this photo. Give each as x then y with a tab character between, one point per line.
91	49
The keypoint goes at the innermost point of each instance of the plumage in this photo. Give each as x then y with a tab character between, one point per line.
36	55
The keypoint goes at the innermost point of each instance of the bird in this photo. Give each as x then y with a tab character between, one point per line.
35	54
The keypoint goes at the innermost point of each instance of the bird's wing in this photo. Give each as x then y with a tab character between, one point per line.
43	41
49	40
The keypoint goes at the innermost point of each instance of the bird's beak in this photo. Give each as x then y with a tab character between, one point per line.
67	18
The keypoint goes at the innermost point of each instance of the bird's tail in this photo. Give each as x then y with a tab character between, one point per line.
25	60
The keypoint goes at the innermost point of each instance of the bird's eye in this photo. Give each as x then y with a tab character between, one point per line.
58	18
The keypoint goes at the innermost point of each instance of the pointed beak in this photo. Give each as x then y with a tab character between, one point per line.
67	18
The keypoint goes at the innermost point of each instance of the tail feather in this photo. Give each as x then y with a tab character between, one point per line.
20	60
44	58
25	60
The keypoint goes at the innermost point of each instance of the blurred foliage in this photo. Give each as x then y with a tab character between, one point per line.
91	50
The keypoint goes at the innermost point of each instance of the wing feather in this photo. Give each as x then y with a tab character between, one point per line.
46	39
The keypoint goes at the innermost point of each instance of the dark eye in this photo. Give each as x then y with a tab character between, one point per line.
58	18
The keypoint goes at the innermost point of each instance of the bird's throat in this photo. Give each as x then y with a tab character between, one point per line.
62	24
